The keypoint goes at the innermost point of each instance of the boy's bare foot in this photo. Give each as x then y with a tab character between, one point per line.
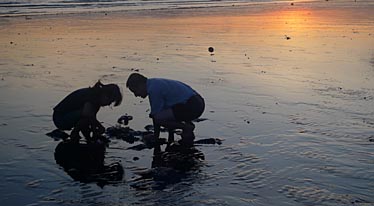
188	128
187	134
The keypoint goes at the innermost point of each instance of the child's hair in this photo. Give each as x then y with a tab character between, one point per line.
111	90
135	79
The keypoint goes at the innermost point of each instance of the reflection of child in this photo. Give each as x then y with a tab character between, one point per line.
173	104
78	110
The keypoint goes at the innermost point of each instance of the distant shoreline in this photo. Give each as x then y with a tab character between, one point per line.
255	7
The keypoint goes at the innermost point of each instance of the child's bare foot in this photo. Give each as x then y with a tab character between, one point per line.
74	137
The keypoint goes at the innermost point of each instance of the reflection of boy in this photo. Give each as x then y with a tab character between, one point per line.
78	110
173	104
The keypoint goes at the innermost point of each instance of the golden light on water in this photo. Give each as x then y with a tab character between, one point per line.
293	34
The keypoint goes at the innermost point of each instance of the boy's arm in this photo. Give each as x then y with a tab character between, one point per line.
156	133
156	129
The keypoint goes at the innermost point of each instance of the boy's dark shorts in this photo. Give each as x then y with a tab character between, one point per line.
190	110
66	121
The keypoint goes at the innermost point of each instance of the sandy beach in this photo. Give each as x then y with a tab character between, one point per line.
289	89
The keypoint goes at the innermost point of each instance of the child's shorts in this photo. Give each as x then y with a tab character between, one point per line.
66	121
190	110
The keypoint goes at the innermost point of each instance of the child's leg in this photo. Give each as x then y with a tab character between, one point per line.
74	135
82	126
66	120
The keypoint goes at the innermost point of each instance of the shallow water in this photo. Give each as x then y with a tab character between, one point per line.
296	115
11	8
42	7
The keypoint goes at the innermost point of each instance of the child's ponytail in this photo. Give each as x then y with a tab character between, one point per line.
98	84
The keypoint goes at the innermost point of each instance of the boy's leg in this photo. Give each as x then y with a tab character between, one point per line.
166	119
188	135
187	112
170	136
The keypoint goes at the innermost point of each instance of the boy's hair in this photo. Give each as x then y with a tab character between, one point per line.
111	90
135	79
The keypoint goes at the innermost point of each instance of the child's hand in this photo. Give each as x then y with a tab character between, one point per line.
100	129
149	136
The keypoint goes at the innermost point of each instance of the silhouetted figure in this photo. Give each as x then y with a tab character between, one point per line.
78	110
85	163
173	104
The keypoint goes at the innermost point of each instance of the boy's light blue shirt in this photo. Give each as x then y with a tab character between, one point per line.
164	93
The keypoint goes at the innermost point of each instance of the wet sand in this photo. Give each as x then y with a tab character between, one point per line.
288	88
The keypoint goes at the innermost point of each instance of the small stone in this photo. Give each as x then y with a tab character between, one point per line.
135	158
211	49
124	119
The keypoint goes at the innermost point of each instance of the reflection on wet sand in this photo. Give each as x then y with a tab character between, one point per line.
169	167
85	163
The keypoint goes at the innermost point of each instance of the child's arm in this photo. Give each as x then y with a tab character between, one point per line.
98	127
90	111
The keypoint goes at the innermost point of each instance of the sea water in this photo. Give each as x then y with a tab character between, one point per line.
34	7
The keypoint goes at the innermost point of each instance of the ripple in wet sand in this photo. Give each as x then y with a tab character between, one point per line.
318	196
